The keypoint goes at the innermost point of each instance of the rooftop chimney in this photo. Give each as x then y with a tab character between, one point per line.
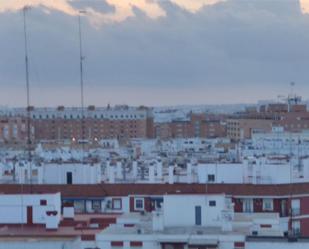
68	211
157	221
159	169
40	174
21	174
52	220
189	172
134	169
171	174
151	174
119	170
111	176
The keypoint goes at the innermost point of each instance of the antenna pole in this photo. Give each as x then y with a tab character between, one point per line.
81	58
25	9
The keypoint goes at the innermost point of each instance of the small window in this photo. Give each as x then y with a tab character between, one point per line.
212	203
43	202
116	204
139	204
267	204
211	178
96	205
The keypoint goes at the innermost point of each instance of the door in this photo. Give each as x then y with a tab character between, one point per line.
283	208
198	215
69	178
29	215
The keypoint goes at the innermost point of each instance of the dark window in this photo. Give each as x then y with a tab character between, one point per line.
198	215
43	202
96	205
69	178
212	203
211	178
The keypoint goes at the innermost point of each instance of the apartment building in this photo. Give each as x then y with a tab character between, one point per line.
238	129
13	130
287	202
61	123
193	125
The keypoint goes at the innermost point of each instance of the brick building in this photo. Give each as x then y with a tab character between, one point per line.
14	130
193	125
294	118
121	122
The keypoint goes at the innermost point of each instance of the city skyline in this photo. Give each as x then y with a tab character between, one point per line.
156	53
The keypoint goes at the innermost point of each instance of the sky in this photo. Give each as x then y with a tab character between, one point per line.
155	52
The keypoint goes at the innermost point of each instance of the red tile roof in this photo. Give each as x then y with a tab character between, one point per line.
101	190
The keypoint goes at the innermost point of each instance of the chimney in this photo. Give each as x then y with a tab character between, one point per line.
29	173
119	170
108	164
52	220
68	211
189	172
93	173
134	169
171	174
151	174
40	174
111	176
21	174
98	173
159	169
1	171
157	221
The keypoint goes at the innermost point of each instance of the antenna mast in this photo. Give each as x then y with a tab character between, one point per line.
81	59
25	9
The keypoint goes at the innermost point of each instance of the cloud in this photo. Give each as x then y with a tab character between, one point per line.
195	5
304	6
59	5
123	9
233	51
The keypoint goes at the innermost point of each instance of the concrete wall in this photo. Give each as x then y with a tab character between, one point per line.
174	206
81	173
13	208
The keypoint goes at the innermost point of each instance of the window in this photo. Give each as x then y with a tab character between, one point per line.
296	227
268	205
139	204
96	205
295	207
248	205
198	215
43	202
212	203
79	206
117	204
211	178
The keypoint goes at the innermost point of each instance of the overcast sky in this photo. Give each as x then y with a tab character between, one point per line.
151	52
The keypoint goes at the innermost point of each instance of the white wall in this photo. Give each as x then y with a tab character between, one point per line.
13	208
82	173
174	205
282	245
224	173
